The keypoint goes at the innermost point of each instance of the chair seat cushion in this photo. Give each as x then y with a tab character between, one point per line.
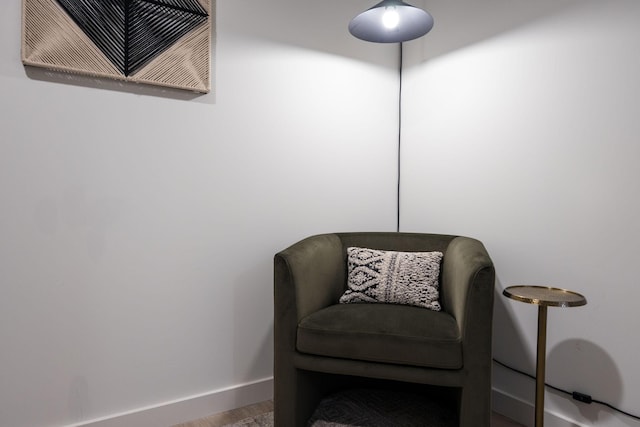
385	333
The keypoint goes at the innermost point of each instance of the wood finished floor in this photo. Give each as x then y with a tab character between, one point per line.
232	416
235	415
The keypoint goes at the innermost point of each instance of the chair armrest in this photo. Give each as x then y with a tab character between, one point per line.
468	281
309	275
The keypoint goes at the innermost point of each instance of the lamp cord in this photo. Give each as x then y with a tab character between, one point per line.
504	365
399	134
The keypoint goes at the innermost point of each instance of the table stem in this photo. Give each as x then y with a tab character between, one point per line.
540	364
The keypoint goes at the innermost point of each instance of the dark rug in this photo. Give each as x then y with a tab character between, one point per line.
381	408
372	408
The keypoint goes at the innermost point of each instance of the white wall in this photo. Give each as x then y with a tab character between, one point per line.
521	129
138	225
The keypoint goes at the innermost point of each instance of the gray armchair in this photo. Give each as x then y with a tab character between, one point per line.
321	345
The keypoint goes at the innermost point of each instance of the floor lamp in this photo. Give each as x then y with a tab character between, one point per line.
392	21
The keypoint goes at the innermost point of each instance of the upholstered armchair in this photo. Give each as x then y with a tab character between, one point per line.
321	344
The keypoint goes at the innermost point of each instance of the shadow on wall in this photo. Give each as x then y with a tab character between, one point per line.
320	26
253	324
323	26
582	366
507	339
79	405
463	23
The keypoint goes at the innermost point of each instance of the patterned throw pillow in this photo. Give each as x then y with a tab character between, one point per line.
409	278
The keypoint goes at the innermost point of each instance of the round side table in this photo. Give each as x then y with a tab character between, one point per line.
543	297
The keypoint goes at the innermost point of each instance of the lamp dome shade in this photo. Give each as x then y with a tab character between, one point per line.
408	23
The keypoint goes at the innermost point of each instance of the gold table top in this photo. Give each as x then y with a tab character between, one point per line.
545	296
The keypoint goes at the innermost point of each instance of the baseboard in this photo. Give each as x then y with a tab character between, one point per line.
190	408
523	412
199	406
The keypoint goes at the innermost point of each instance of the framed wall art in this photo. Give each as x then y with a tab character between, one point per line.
158	42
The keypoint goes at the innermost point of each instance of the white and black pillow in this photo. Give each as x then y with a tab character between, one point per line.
409	278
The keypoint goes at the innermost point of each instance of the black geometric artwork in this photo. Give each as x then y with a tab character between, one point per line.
131	33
